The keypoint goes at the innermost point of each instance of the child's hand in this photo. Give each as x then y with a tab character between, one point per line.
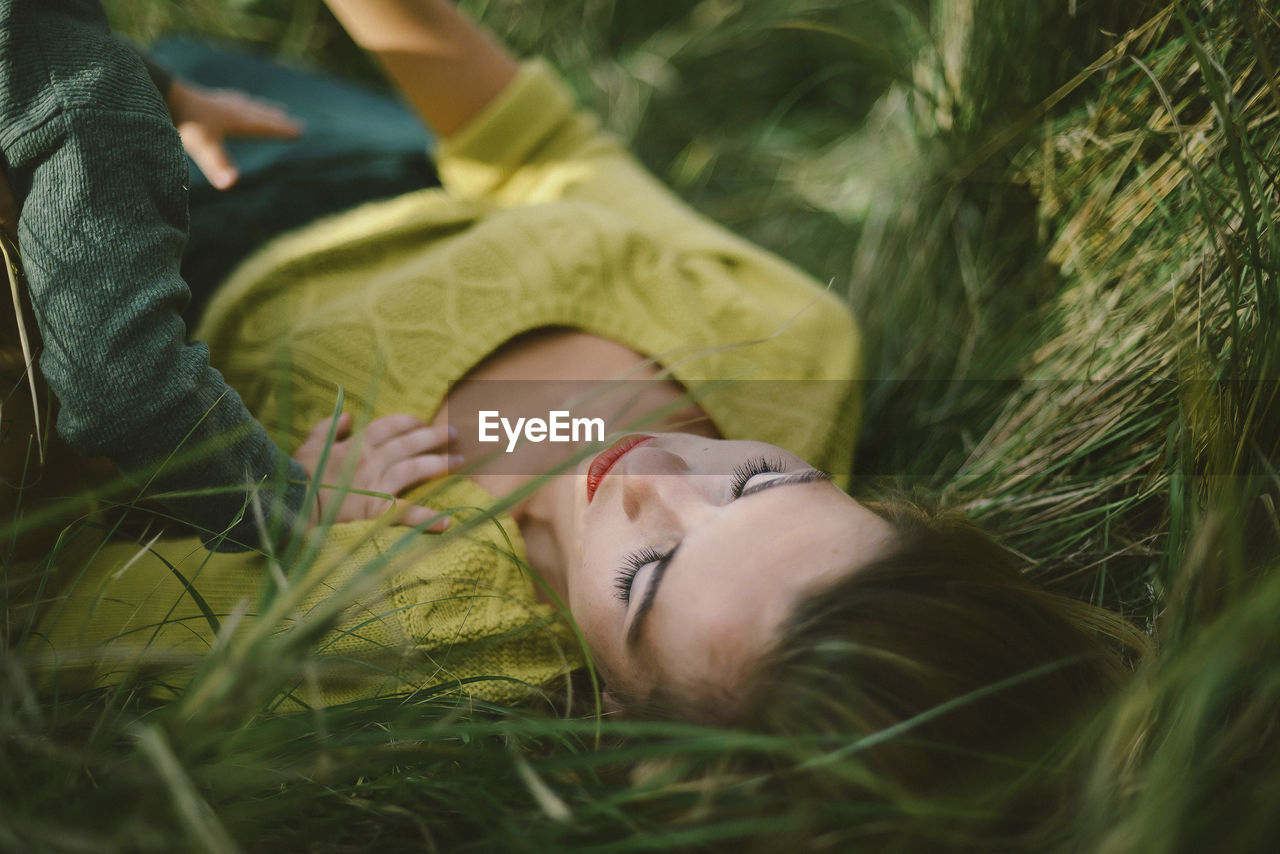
394	456
206	117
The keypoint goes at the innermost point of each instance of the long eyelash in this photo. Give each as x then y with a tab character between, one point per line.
636	561
751	468
630	566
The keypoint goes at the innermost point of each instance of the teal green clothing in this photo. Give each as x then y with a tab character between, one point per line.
98	170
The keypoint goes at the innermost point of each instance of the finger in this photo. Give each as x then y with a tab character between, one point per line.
413	471
249	116
271	124
417	442
415	515
209	155
320	430
388	427
343	428
352	503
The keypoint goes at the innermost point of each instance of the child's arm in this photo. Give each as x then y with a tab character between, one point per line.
447	68
97	170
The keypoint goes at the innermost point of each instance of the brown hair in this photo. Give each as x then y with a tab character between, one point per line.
937	669
977	674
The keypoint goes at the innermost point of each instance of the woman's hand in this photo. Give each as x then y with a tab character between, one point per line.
206	117
395	453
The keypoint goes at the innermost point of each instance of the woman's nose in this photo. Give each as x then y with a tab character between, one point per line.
656	482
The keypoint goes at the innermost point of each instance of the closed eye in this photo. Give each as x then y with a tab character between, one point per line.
752	467
631	565
742	491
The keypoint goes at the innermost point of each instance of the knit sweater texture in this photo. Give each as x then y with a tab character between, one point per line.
544	220
95	164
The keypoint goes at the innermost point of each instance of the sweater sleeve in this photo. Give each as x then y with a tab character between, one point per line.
98	171
160	75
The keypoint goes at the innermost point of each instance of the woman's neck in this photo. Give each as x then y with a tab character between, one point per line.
533	375
545	521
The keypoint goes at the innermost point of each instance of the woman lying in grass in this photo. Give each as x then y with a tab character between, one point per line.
715	573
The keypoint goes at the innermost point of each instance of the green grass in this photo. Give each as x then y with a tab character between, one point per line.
1057	222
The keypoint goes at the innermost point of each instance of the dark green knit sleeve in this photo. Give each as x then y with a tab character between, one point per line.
98	170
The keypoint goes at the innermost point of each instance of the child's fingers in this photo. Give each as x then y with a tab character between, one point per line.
320	430
206	150
341	427
388	427
242	114
414	515
416	442
247	116
416	470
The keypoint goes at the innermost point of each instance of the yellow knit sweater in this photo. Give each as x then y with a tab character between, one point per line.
543	221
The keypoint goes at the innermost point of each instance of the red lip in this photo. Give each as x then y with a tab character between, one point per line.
600	465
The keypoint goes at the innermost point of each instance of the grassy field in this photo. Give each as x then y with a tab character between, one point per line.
1057	222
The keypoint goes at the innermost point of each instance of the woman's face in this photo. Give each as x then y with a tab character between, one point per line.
688	554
